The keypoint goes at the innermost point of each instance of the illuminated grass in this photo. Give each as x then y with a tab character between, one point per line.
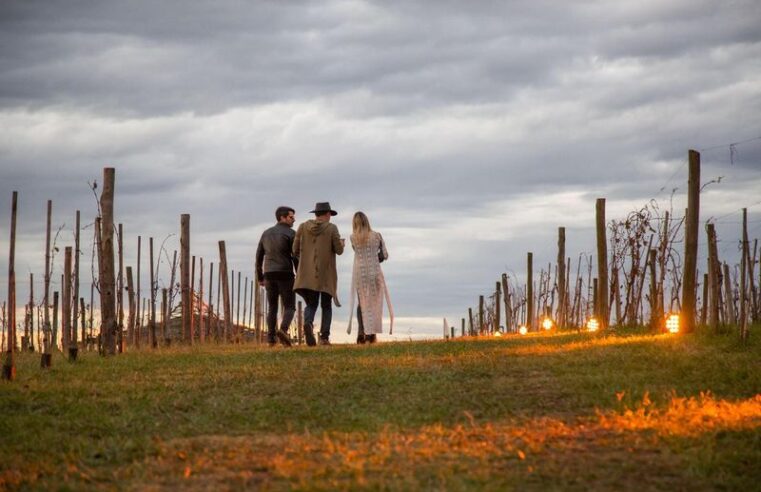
549	412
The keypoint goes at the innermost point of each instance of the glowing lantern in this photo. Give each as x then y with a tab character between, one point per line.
547	324
593	325
523	330
672	323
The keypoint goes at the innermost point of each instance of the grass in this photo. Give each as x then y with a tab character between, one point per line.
567	411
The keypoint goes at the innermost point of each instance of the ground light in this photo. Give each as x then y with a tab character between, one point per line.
672	323
497	333
593	325
523	330
547	324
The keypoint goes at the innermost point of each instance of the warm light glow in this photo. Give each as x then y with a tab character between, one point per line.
497	333
593	325
522	330
547	324
672	323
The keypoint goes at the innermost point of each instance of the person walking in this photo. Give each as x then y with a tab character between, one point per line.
316	245
275	264
368	284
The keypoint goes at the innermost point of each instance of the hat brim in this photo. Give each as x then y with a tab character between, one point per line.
332	212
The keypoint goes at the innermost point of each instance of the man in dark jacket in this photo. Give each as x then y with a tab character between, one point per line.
275	265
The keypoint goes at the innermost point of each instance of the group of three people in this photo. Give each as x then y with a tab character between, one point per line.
311	253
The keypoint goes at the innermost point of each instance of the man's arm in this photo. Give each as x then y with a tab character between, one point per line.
297	244
338	246
294	258
260	261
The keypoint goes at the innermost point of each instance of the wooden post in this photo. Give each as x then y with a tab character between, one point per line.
508	307
225	290
74	301
67	305
602	265
185	277
704	307
472	325
219	295
245	299
131	304
192	297
120	290
481	315
46	358
530	291
562	299
82	314
728	298
211	292
170	307
257	310
655	315
497	302
108	282
743	313
251	302
138	312
462	327
713	276
237	315
55	319
152	307
201	334
595	297
232	299
691	242
9	366
750	263
165	316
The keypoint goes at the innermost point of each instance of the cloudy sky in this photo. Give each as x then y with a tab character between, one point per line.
467	131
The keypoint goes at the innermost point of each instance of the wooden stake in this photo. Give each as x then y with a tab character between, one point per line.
530	291
108	281
257	309
245	299
508	307
704	307
201	334
655	315
497	302
225	289
729	305
9	366
481	326
211	292
165	316
138	312
132	309
602	265
74	301
237	315
67	305
47	333
713	277
691	242
55	320
154	286
743	314
120	295
193	327
185	277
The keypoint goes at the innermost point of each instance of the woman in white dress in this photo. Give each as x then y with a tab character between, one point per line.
367	282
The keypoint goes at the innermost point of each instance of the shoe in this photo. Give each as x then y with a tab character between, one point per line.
361	338
284	338
309	336
324	341
272	344
371	338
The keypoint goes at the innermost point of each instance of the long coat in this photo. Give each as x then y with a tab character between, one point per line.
316	245
368	284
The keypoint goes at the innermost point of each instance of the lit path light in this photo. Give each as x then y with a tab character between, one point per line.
523	330
497	333
672	323
593	325
547	324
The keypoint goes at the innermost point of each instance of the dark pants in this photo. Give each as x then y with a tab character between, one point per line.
312	298
279	286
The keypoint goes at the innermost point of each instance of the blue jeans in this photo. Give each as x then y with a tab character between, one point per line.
325	300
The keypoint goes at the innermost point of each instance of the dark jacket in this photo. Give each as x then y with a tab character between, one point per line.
275	251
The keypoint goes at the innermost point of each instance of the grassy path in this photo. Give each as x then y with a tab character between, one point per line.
544	413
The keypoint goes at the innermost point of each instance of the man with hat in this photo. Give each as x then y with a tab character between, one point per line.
316	245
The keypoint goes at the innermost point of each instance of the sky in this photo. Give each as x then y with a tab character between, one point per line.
466	131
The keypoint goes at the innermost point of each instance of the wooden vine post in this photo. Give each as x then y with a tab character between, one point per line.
74	301
530	291
691	242
66	308
562	296
9	365
602	265
185	277
108	281
131	304
508	307
743	268
497	302
225	284
714	273
152	308
201	334
211	296
47	356
481	315
120	295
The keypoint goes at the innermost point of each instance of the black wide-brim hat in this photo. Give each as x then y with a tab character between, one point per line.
322	207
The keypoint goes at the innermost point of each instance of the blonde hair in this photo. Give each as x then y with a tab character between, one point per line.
361	228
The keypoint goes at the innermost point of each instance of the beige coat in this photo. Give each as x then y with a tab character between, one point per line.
316	245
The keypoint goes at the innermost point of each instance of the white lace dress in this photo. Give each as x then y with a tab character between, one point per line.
369	285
